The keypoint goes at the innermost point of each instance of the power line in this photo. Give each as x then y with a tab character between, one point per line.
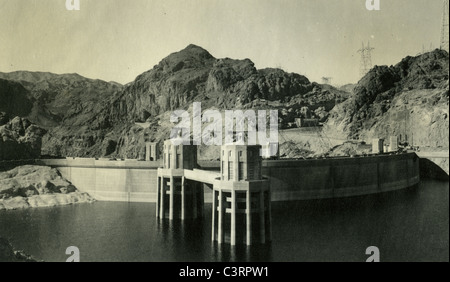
445	30
366	59
425	49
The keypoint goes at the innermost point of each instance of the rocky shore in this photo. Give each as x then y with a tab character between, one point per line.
37	186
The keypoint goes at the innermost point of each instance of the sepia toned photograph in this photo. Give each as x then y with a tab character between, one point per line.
224	131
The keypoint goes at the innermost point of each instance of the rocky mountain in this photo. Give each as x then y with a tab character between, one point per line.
409	100
193	74
94	118
49	99
62	104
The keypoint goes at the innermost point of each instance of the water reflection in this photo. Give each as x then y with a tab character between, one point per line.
184	239
190	240
241	253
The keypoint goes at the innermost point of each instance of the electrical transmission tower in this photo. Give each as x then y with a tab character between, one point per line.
445	31
426	50
366	59
326	80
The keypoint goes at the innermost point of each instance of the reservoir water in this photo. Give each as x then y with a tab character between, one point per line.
406	225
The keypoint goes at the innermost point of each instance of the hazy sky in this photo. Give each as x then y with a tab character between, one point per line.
117	39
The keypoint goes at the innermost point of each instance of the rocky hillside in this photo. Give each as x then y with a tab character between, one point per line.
15	99
96	118
19	138
62	104
93	118
409	100
193	74
49	99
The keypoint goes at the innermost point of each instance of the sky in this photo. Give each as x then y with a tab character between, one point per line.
116	40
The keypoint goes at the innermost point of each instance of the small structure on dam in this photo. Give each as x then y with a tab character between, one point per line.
151	151
377	146
393	143
241	196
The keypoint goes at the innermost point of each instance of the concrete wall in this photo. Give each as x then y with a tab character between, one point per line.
128	181
434	165
135	181
341	177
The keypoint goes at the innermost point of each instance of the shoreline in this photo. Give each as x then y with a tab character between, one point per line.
48	200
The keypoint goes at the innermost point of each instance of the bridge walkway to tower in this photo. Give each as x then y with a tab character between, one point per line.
202	176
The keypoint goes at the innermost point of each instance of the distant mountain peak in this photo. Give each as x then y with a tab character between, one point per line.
190	57
193	46
191	51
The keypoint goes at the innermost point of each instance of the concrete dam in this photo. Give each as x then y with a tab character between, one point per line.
136	181
241	186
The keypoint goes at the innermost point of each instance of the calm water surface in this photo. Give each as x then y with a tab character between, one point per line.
406	225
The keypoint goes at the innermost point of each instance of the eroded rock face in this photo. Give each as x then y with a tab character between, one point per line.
93	118
19	139
15	99
193	74
409	100
350	149
63	104
37	186
29	180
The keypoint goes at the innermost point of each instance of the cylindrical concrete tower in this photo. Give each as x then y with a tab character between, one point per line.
240	162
